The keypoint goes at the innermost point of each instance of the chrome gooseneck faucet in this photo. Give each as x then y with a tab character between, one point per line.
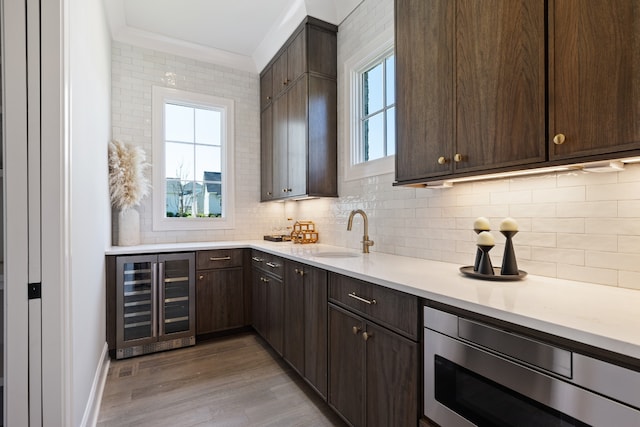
365	239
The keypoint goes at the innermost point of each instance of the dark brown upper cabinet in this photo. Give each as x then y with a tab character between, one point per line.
503	85
470	84
594	83
298	99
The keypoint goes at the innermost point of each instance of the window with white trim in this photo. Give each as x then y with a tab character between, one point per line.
370	79
192	161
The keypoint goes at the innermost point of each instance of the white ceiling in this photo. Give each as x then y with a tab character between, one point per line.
243	34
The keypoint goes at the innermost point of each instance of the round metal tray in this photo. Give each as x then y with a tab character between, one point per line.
467	270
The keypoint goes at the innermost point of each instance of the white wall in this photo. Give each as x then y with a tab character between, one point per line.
90	105
135	71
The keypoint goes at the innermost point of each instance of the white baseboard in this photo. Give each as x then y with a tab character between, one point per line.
91	412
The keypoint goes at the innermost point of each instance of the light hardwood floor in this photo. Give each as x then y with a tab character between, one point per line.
230	381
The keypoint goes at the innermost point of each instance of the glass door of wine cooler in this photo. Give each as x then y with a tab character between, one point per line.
155	300
177	296
136	300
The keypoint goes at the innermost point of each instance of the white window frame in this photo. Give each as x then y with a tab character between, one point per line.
377	49
161	96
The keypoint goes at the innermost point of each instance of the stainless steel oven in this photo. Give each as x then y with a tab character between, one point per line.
479	375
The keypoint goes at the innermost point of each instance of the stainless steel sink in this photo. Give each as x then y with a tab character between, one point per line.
337	254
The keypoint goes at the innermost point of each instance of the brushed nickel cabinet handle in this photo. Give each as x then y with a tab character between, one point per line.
366	335
256	259
356	329
559	139
299	271
273	265
222	258
366	301
262	279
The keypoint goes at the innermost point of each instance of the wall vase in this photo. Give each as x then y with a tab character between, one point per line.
128	227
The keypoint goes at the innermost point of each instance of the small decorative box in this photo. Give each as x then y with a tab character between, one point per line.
304	232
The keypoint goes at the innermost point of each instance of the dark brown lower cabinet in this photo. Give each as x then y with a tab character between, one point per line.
305	323
268	304
219	300
373	372
222	298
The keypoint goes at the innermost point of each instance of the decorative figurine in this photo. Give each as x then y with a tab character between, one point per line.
485	244
479	225
509	228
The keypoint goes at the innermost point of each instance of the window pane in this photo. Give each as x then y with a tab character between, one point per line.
391	80
372	86
213	195
207	160
179	197
391	131
179	161
178	123
373	135
208	126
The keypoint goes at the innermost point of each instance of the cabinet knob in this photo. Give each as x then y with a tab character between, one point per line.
201	277
442	160
559	139
268	98
356	329
299	271
457	158
269	193
366	335
285	82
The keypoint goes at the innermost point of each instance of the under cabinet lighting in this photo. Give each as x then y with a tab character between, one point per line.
604	167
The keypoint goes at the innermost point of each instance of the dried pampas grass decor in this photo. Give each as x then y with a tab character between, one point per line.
127	181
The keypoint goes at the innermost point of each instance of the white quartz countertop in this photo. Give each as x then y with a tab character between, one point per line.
600	316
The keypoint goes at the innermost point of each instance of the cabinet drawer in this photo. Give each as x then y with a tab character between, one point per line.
393	309
219	258
267	262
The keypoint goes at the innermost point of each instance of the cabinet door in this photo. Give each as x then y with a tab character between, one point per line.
392	379
297	138
294	316
424	86
594	95
266	154
275	313
315	328
347	365
219	300
259	303
176	295
280	77
297	56
280	147
500	83
266	88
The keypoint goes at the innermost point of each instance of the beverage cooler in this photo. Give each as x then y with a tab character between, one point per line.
155	300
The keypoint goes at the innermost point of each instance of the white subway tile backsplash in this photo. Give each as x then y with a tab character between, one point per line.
607	243
628	244
568	256
613	260
620	226
629	279
601	276
558	225
614	192
587	209
565	194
